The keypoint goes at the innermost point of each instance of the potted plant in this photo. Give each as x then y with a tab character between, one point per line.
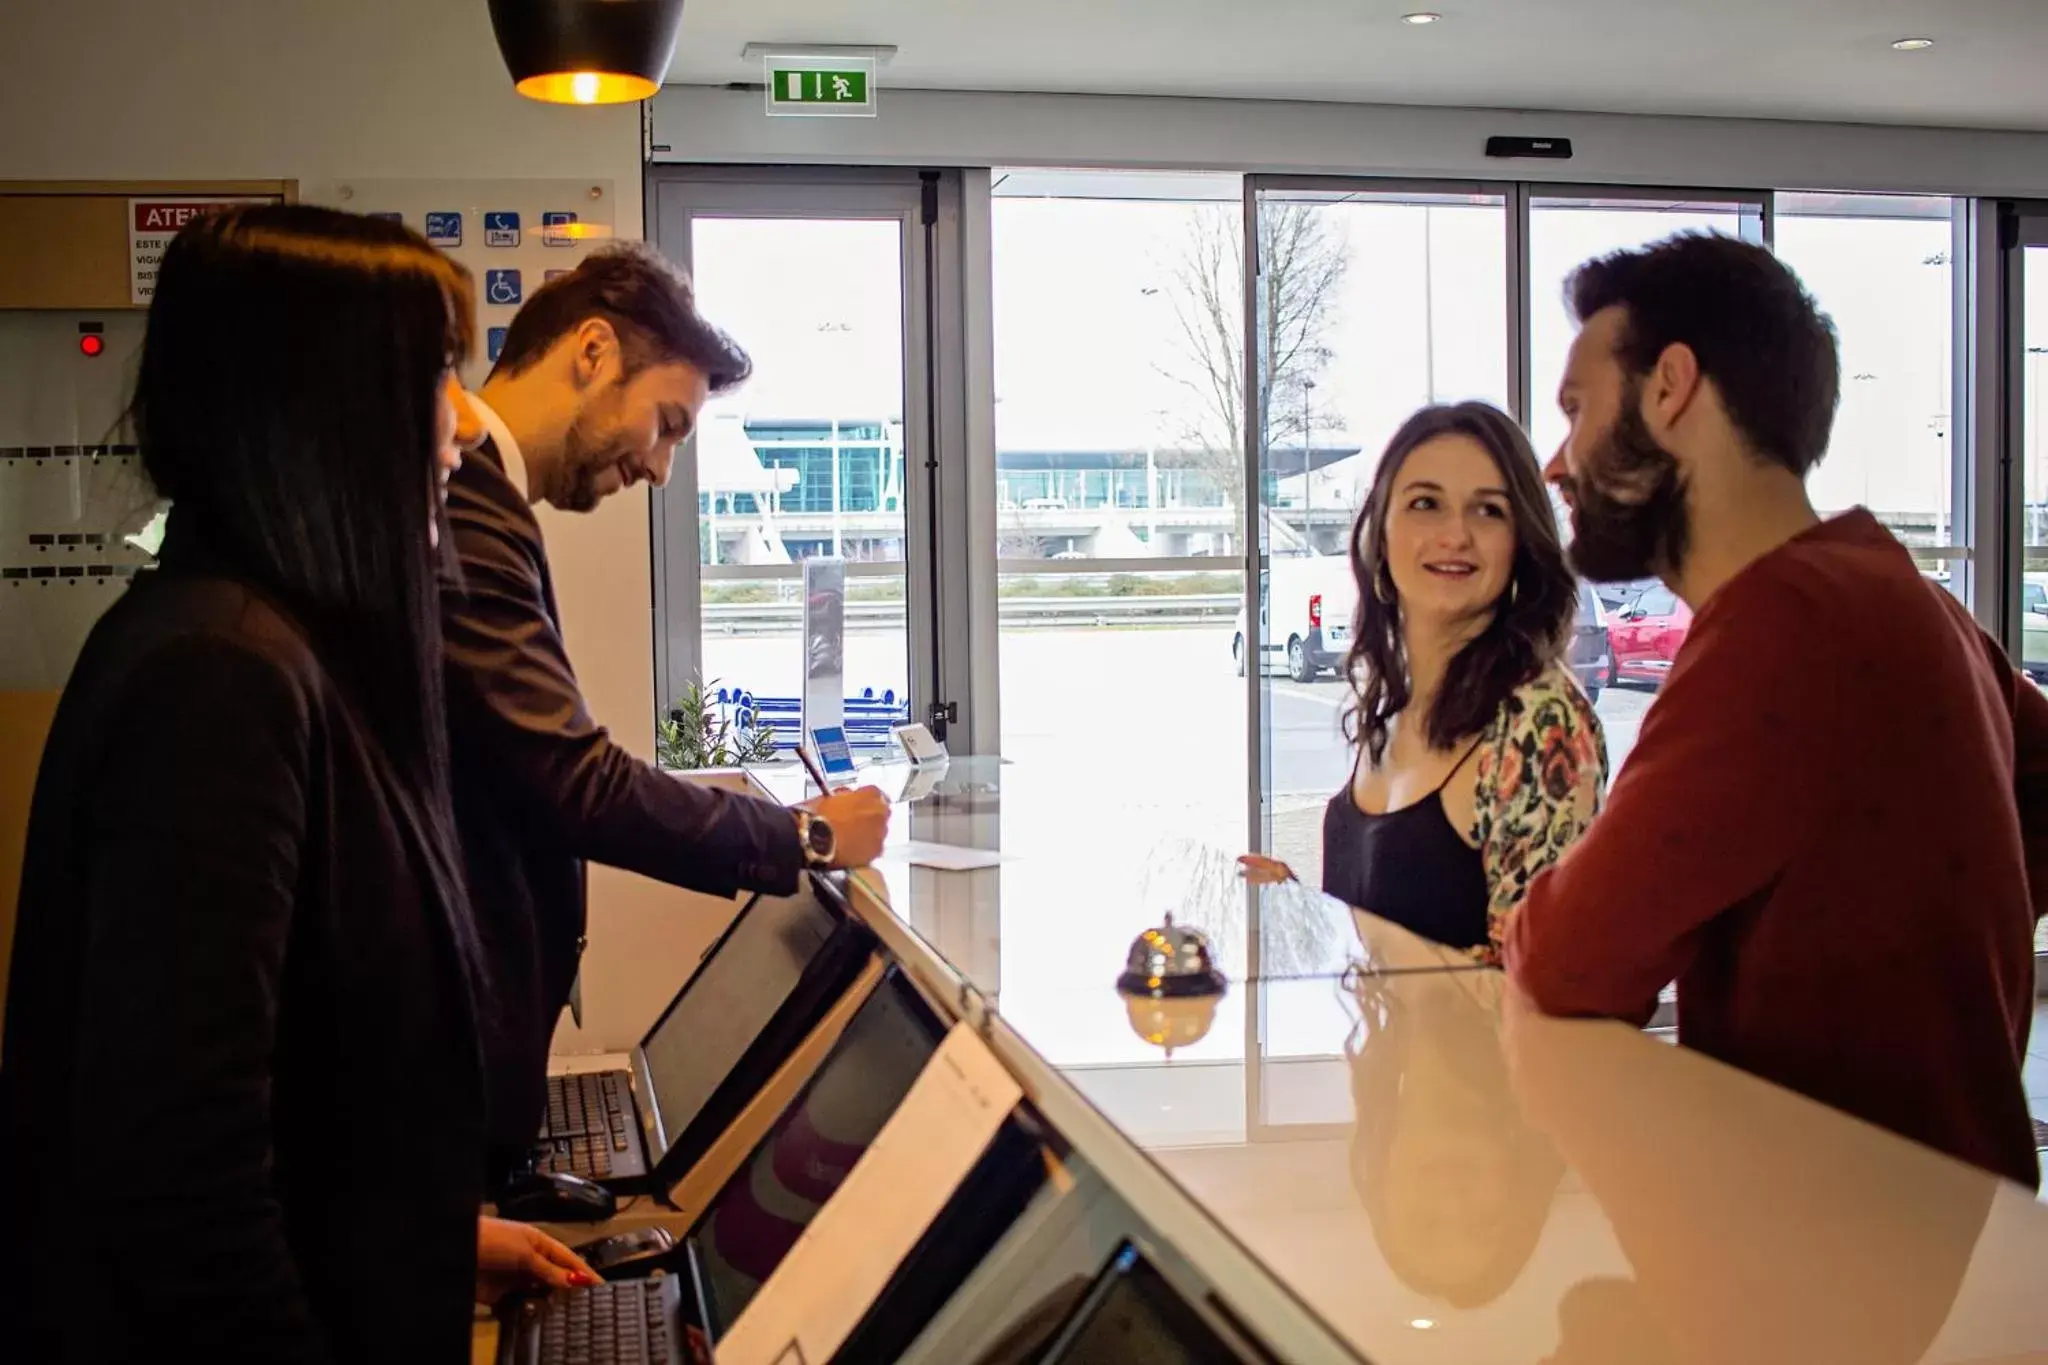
699	731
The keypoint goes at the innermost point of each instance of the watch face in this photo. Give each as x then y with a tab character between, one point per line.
820	836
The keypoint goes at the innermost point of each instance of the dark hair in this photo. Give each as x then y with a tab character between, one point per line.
1756	331
287	404
1528	632
648	301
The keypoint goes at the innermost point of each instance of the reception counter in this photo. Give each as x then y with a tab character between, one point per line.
1367	1149
1370	1151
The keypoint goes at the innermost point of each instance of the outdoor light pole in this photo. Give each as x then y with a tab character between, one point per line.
1428	306
2032	445
1308	471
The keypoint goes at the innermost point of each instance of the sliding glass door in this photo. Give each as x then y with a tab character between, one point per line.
822	279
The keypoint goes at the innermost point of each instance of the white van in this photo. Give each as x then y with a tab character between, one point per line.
1305	607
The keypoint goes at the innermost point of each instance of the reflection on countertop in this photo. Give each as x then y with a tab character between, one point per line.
1507	1187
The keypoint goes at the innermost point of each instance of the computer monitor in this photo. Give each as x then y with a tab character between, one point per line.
1132	1316
756	993
752	1223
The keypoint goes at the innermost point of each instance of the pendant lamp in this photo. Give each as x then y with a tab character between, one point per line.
587	51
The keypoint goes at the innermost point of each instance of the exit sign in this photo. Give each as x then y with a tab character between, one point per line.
820	87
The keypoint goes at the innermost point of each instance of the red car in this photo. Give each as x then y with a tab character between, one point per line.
1645	636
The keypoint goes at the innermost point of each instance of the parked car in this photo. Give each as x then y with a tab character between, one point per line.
1591	655
1615	596
1645	637
1305	606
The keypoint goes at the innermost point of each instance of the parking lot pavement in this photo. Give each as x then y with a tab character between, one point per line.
1106	697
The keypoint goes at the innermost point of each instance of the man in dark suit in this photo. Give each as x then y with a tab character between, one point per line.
602	374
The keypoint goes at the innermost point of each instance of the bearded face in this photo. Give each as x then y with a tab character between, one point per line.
1627	501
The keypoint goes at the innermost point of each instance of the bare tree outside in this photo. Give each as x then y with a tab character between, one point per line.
1304	261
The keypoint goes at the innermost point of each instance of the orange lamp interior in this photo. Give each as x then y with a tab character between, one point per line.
587	87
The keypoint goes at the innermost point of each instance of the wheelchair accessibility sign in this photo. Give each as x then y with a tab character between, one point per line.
501	286
501	228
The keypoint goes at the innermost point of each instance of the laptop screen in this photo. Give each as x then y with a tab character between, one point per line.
757	1217
1133	1314
729	1001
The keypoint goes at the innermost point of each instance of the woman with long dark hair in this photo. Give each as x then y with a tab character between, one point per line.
1478	758
240	1055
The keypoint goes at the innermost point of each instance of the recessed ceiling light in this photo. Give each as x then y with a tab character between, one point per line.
1423	1324
1912	44
1421	17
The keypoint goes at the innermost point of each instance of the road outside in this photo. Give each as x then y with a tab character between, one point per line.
1112	701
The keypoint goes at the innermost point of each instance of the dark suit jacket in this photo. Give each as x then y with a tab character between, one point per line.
540	787
241	1065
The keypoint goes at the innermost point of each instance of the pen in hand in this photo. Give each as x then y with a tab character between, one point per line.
811	767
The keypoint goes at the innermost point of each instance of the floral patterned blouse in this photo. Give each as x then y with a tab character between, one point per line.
1542	771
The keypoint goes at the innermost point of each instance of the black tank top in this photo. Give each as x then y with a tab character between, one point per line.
1408	865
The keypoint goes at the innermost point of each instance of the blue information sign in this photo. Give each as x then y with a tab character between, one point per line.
502	287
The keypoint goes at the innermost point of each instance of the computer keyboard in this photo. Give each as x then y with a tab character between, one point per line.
624	1322
586	1123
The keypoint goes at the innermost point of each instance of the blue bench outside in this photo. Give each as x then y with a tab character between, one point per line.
869	718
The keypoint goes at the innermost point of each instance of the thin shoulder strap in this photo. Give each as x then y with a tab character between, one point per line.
1463	759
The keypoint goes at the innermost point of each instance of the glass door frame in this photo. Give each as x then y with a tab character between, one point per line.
2022	227
1256	557
926	206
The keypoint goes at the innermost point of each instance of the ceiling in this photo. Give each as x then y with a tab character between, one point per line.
1804	59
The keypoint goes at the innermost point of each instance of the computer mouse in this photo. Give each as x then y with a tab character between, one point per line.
555	1197
629	1255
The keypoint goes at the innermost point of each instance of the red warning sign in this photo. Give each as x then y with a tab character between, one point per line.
151	225
168	215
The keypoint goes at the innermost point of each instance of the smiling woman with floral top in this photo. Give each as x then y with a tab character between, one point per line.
1478	759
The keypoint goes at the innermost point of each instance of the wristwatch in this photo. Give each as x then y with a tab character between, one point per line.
814	833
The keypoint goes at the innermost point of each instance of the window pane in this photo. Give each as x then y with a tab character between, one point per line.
2034	452
806	458
1565	231
1118	347
1117	305
1372	305
1880	267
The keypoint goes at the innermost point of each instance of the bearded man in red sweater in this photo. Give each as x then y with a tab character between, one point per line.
1833	830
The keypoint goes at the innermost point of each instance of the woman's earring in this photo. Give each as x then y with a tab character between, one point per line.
1514	590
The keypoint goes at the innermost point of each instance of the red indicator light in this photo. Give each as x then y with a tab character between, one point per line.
90	345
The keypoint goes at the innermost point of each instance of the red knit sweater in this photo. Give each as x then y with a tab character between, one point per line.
1825	836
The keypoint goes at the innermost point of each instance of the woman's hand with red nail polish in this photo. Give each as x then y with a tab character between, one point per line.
513	1256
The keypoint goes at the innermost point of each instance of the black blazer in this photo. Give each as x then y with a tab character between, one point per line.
540	787
241	1070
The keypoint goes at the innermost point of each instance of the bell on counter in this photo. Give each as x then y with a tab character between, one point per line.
1181	1021
1170	963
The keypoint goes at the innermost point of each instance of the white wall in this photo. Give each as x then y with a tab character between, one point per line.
938	128
324	90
